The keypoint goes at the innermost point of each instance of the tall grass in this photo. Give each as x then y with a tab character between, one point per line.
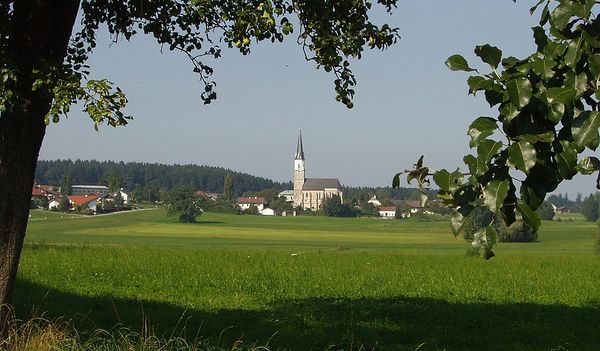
41	334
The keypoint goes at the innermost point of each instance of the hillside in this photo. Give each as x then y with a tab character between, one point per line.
138	176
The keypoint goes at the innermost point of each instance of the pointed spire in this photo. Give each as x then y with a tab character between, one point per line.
299	148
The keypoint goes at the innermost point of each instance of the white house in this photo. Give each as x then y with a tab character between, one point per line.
267	212
89	201
124	196
287	194
245	202
387	211
54	203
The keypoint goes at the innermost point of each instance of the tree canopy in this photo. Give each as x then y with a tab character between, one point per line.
44	69
548	115
183	203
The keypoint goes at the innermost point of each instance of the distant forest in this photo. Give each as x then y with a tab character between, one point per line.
140	177
146	180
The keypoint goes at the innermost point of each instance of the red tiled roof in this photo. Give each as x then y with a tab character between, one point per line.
38	192
81	200
251	200
386	208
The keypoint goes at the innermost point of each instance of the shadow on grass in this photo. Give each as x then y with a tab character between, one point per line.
398	323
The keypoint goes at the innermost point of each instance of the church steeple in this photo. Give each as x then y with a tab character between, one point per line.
298	172
299	148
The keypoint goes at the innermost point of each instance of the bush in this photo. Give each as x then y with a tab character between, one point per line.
546	211
480	217
589	208
333	207
252	210
516	232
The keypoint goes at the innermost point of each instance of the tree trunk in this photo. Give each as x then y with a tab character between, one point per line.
38	35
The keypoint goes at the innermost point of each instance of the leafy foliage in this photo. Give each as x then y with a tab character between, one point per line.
589	208
145	180
331	34
545	211
333	207
548	115
183	203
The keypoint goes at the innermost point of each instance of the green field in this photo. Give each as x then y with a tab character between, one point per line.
313	282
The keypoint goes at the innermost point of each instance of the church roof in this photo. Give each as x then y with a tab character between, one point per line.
299	148
321	183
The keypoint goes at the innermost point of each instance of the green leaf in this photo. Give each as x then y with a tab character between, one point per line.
588	165
487	149
562	14
457	220
491	235
458	63
540	37
554	49
546	137
489	54
494	194
419	174
594	62
566	160
480	129
561	95
471	162
544	68
521	155
529	216
556	112
520	91
573	53
585	130
508	111
448	181
476	83
396	180
533	196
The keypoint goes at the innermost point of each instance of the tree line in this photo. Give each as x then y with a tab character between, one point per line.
145	180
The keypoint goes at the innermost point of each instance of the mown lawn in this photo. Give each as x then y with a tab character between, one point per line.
313	283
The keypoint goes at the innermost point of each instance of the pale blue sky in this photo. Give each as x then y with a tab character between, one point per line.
407	102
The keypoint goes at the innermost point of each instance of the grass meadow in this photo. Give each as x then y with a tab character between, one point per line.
311	283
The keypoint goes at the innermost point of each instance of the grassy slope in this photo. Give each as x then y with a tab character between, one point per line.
291	233
234	276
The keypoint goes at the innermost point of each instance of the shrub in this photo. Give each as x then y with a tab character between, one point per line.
516	232
480	217
545	211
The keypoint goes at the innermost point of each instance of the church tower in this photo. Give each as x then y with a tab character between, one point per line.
298	172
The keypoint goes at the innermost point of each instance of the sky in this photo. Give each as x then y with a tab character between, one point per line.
407	102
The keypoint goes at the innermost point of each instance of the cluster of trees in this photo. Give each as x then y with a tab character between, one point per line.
590	207
360	195
145	180
481	218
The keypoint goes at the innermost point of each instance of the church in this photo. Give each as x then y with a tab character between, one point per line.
309	193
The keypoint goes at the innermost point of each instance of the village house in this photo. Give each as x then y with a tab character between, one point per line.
387	211
246	202
88	201
287	194
100	190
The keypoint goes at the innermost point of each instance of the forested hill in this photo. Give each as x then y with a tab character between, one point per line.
138	176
